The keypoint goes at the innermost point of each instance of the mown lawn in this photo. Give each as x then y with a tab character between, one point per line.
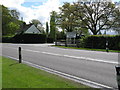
17	75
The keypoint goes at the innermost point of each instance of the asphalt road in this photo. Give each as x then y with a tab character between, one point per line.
91	65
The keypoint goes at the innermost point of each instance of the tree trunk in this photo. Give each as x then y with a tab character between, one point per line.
94	33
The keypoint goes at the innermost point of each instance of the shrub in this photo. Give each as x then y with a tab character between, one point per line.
99	42
30	38
50	40
7	40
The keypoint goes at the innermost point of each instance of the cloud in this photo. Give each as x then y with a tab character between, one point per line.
12	3
45	9
41	12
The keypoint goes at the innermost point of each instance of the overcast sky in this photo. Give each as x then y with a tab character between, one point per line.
35	9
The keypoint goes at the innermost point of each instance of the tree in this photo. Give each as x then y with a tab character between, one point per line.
14	14
41	28
6	18
36	22
10	22
66	17
68	21
95	16
53	25
12	28
47	29
116	26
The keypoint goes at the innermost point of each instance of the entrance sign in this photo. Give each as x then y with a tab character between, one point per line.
71	34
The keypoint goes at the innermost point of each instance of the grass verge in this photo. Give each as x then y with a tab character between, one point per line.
104	50
17	75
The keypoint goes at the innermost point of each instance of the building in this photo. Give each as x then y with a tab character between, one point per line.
29	34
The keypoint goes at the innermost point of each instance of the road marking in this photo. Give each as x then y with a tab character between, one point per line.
74	57
88	51
51	53
65	75
85	58
31	50
91	59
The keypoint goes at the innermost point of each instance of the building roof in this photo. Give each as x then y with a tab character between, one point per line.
28	29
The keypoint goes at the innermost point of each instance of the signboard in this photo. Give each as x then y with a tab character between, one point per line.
71	34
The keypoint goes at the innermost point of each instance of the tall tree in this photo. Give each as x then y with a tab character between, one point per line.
14	14
53	25
10	22
47	29
116	26
36	22
6	18
41	28
66	17
68	21
95	16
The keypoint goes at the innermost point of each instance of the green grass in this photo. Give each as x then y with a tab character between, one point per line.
104	50
8	36
17	75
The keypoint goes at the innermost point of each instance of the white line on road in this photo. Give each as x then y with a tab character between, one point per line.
80	50
52	53
91	59
31	50
74	57
65	75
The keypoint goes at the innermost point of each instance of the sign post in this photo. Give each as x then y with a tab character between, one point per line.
70	36
118	76
107	49
20	56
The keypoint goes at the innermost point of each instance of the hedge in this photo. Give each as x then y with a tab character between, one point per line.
7	40
27	38
99	42
30	38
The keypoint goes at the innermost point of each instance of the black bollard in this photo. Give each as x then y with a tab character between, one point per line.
20	56
118	76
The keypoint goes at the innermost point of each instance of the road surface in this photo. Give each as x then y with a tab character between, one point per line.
94	66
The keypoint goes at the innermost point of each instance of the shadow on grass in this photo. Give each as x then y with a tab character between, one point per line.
14	64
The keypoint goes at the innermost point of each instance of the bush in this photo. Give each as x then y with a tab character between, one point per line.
99	42
8	39
30	38
27	38
50	40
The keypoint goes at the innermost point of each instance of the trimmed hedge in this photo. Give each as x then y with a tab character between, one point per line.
50	40
99	42
8	39
27	38
30	38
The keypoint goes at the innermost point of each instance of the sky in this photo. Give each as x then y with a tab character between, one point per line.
36	9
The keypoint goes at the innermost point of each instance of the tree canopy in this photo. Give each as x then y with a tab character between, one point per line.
53	23
47	29
10	22
93	16
36	22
